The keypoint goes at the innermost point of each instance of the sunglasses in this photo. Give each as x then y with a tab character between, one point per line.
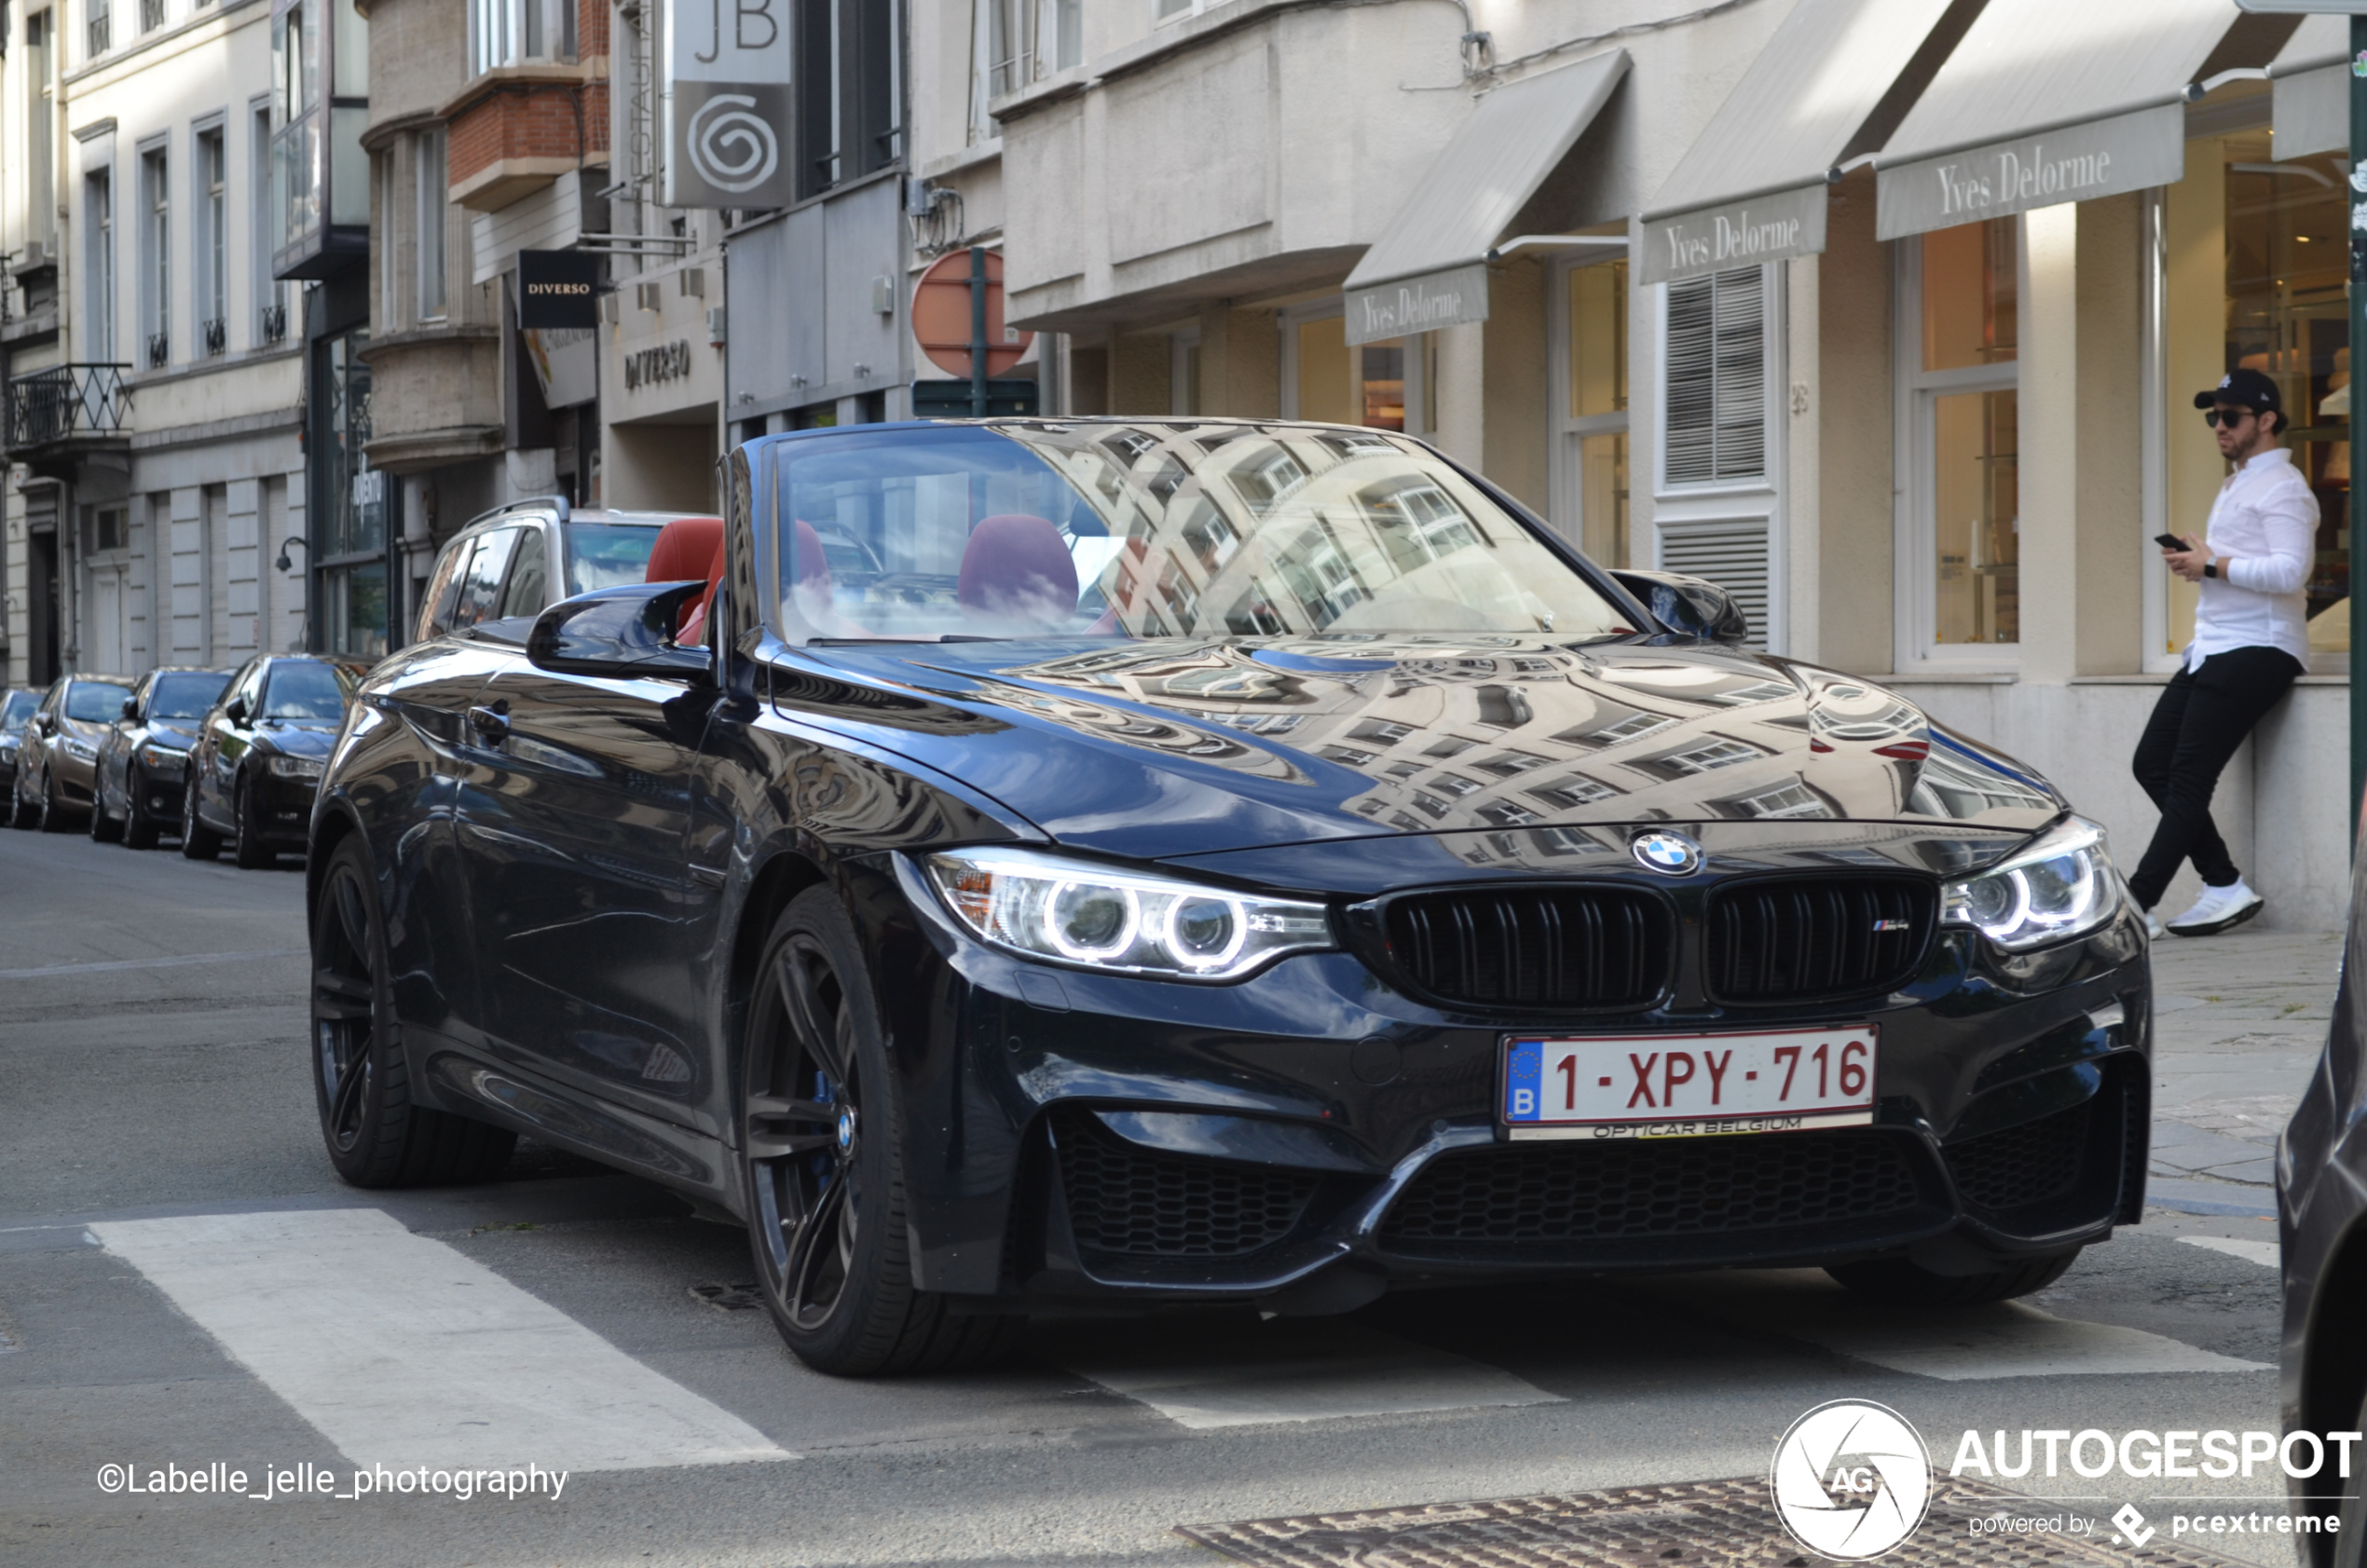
2215	417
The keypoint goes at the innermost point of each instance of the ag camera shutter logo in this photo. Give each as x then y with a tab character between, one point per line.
1850	1479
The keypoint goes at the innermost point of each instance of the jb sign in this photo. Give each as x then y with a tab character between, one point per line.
725	92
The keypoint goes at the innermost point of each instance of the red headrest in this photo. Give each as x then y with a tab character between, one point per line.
1015	568
683	550
693	629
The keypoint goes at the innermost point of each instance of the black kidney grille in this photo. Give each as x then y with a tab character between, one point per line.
2037	1162
1585	1192
1128	1200
1827	936
1534	947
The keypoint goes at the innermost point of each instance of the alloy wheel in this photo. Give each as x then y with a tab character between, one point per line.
344	1008
803	1134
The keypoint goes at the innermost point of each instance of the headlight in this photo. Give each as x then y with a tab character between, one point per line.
1080	913
296	766
82	751
2060	886
162	757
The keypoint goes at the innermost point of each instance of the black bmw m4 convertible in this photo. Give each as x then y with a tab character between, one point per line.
1047	862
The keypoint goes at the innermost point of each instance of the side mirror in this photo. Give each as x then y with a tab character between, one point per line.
1690	606
623	632
131	707
237	712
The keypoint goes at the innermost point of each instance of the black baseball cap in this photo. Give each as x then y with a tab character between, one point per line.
2243	389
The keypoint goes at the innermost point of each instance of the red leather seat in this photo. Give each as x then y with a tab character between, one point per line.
1016	569
687	548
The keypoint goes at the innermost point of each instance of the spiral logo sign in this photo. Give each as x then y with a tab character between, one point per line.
732	146
1851	1479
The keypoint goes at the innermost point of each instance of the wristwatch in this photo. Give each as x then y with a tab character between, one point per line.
2211	568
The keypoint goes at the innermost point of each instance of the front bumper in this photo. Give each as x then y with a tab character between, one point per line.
1315	1132
285	806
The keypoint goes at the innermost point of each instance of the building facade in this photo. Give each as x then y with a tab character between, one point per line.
153	385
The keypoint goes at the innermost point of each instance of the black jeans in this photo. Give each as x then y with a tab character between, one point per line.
2202	717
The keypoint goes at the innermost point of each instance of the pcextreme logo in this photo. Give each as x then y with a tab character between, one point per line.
1850	1479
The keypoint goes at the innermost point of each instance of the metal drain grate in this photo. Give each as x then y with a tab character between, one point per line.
1718	1524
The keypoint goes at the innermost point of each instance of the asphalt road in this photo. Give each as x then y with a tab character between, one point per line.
184	1280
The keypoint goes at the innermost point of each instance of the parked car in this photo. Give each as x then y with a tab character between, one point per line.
2321	1211
60	747
17	709
256	761
146	755
522	558
1208	861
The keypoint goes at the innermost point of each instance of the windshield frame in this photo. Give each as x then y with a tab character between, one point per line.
764	479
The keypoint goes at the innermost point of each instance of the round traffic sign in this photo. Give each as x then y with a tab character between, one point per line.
942	317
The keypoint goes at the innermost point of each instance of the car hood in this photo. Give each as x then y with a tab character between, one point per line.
82	729
296	739
1187	746
178	734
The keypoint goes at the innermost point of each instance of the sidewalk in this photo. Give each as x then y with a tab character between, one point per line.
2241	1019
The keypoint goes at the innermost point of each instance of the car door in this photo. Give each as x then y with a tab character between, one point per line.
110	777
573	806
229	736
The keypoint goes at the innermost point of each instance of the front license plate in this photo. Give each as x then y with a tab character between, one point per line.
1689	1085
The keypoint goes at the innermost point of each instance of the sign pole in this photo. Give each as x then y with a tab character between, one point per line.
977	320
2358	507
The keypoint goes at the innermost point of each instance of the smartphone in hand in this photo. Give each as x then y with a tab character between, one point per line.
2169	541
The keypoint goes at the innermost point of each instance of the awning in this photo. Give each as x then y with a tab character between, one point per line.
1429	268
2311	79
2047	101
1752	188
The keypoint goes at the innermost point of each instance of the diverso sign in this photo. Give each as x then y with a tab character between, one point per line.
725	92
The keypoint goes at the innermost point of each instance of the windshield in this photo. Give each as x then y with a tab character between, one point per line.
607	554
95	702
17	710
186	695
1154	531
305	691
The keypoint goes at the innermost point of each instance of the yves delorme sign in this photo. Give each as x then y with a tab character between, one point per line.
1768	228
725	89
1437	299
2077	163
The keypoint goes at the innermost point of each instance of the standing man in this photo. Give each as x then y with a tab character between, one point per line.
2251	638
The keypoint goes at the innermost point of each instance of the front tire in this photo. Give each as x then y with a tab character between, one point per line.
248	850
376	1135
198	840
1900	1282
140	830
822	1156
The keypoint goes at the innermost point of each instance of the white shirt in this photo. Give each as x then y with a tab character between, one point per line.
2265	519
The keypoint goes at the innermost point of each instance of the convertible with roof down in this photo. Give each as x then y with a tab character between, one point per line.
1054	861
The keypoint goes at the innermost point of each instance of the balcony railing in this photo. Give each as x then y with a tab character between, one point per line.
53	406
102	36
216	334
159	350
275	324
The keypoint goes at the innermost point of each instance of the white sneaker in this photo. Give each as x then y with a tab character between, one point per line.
2153	927
2217	909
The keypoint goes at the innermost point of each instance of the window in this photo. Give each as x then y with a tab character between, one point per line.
212	240
101	34
1174	11
2257	269
98	203
40	120
155	257
432	184
1024	41
266	202
847	122
1591	489
1964	412
513	32
151	15
319	106
1716	428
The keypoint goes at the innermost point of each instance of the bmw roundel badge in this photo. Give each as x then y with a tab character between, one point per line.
1669	853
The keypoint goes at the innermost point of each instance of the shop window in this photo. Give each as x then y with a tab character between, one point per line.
1716	428
1961	335
2258	267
